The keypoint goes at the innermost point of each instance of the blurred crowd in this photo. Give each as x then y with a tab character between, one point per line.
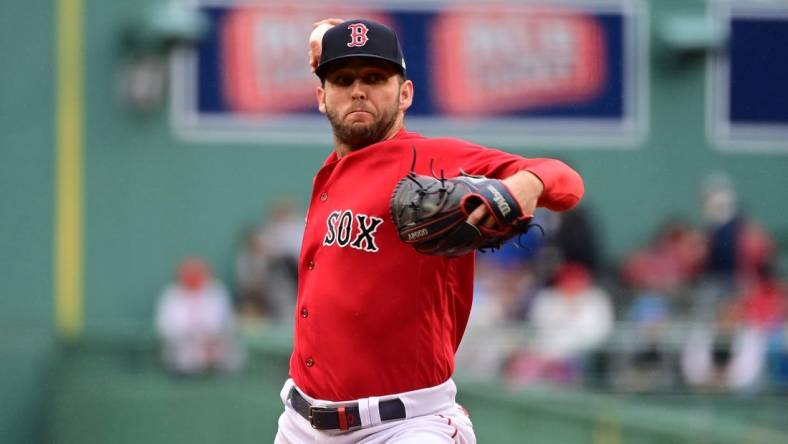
699	305
266	268
202	321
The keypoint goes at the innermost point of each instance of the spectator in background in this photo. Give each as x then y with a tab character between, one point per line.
760	313
267	263
283	231
507	279
656	276
561	238
570	319
502	290
734	355
669	264
576	238
281	236
195	321
252	277
645	359
762	304
738	300
736	246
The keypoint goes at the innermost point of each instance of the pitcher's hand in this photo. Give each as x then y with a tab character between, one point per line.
316	39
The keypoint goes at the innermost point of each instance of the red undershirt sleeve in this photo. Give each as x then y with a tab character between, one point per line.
563	186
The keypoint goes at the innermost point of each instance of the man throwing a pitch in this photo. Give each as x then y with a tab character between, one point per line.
377	323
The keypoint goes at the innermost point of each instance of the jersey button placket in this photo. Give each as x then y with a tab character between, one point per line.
309	362
310	265
304	313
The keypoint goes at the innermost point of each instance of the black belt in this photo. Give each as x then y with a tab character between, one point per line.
341	418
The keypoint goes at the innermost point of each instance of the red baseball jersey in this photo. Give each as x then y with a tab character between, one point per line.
373	316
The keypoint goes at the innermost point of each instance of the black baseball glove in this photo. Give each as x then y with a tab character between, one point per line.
430	213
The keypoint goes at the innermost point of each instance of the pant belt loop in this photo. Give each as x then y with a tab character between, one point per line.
374	411
363	412
285	392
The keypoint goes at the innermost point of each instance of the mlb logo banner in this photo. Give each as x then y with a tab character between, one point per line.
547	73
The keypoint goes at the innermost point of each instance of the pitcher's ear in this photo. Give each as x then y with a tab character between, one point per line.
320	94
405	95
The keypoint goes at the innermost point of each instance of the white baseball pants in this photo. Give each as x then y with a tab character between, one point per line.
433	417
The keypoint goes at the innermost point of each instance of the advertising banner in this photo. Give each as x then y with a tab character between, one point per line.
563	72
749	101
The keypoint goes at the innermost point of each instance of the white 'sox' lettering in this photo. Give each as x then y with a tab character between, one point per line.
342	232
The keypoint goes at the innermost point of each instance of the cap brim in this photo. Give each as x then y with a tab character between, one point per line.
322	69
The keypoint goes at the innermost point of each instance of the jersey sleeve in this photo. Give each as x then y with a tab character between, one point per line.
563	186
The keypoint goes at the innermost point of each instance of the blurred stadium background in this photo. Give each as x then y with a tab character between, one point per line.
135	134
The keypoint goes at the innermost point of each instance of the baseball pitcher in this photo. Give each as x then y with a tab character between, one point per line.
386	267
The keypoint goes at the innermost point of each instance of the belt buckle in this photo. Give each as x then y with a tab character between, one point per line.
311	416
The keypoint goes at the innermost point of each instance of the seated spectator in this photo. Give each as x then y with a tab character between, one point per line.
644	359
281	236
669	263
570	319
502	291
195	321
760	314
252	276
555	239
734	355
657	276
577	239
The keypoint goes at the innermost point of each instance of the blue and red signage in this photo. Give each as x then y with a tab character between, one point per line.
509	72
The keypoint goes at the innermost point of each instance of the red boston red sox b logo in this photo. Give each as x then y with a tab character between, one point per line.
358	34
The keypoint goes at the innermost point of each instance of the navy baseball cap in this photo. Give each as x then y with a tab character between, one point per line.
360	38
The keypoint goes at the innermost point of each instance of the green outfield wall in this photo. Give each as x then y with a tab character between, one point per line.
106	391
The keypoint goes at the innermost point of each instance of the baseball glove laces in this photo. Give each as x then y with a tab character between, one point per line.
431	212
